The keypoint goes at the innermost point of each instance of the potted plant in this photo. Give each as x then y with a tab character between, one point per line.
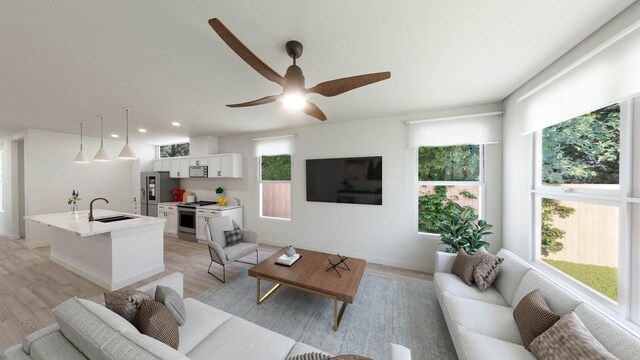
464	231
73	202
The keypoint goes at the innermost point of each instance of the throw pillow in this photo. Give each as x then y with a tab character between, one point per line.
125	303
463	266
233	236
569	339
487	270
173	301
157	322
349	357
533	317
310	356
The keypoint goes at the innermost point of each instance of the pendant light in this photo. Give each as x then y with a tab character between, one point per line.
127	151
82	157
101	155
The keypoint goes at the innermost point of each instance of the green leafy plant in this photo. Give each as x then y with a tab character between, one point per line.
436	207
465	231
551	235
219	190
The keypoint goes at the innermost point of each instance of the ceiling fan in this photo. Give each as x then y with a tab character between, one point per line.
294	92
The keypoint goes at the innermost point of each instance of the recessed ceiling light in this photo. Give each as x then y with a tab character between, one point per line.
115	135
175	123
142	130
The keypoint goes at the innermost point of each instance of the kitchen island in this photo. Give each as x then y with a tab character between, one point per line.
110	254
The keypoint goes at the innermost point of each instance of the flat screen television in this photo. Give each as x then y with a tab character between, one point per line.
345	180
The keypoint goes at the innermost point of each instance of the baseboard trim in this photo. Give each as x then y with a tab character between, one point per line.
10	237
104	284
38	244
372	259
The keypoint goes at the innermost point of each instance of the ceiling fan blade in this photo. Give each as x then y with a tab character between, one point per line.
339	86
312	109
250	58
261	101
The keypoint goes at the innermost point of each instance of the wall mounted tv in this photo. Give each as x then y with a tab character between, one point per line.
345	180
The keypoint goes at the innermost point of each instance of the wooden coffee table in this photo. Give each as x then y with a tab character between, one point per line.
309	274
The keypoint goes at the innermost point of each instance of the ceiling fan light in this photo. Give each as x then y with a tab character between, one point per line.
294	101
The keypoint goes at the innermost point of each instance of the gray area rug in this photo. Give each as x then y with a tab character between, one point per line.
386	310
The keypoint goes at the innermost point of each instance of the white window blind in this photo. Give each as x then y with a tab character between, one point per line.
280	145
469	130
609	74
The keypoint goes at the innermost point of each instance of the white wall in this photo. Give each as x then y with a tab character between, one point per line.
518	149
384	234
50	176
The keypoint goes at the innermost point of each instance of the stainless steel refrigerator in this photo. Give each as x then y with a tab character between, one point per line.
156	188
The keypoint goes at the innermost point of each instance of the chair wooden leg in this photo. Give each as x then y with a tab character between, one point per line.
224	273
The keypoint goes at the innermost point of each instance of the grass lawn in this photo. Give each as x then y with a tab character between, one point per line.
601	278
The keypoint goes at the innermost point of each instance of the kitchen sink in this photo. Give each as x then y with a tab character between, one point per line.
111	219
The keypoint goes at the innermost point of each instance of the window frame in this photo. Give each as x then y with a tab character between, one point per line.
480	183
2	176
621	198
260	182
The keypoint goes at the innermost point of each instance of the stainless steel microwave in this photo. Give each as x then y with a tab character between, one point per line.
198	171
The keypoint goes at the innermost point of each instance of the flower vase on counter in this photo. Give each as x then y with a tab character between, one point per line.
73	202
74	211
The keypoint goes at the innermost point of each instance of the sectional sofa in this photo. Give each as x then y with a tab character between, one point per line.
481	324
85	329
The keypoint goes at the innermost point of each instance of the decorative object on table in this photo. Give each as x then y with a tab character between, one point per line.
288	260
465	231
290	251
73	202
222	201
178	194
220	192
341	264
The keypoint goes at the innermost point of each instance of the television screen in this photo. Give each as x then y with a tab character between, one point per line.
346	180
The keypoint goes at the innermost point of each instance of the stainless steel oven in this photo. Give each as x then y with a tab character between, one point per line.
187	223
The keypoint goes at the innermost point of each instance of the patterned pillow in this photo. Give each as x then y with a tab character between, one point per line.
126	303
463	266
173	301
157	322
487	270
310	356
233	237
533	317
569	339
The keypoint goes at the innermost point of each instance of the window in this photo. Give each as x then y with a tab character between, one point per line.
174	150
449	179
275	186
581	202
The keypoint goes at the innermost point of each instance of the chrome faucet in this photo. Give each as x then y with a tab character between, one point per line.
91	207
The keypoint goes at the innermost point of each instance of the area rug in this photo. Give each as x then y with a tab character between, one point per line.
386	310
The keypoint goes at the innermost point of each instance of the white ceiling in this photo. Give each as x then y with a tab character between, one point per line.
66	61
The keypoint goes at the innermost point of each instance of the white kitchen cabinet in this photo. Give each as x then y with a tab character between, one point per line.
225	166
166	164
179	168
170	214
203	216
198	161
157	165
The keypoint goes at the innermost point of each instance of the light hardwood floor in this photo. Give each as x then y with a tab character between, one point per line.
31	285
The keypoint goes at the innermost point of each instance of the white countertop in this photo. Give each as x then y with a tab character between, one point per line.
83	227
218	207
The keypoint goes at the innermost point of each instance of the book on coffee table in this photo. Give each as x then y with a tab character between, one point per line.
287	260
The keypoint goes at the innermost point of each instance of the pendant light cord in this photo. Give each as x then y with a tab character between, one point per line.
127	110
101	136
80	136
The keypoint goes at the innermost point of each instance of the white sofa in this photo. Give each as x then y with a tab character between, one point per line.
85	329
481	324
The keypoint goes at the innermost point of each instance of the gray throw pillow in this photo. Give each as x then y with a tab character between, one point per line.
487	270
310	356
533	317
569	339
233	237
125	303
157	322
173	301
463	266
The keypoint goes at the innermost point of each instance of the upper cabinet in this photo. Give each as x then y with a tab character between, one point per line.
220	165
225	166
